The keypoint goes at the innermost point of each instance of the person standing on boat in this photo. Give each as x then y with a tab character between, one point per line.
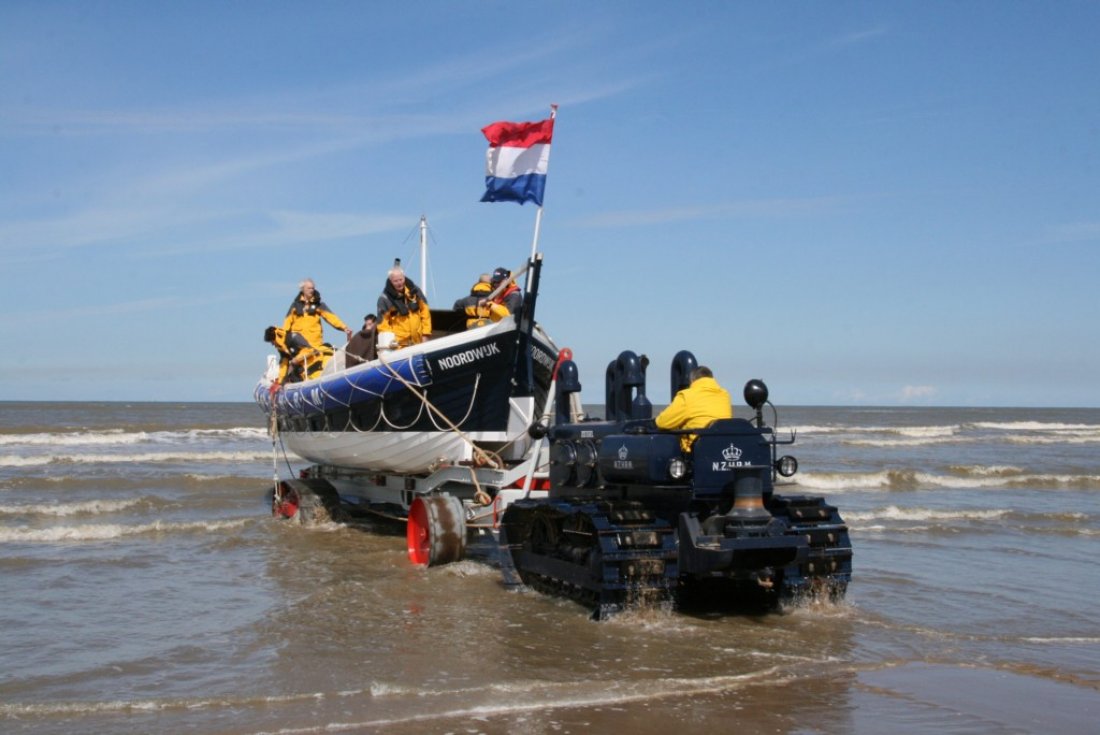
306	312
696	407
404	310
479	310
511	297
363	346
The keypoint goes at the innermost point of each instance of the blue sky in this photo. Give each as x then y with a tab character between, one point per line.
860	203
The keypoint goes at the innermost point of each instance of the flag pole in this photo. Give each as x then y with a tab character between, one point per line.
538	212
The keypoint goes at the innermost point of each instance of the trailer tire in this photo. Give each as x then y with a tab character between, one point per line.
436	530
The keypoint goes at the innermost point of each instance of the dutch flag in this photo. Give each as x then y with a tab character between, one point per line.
517	161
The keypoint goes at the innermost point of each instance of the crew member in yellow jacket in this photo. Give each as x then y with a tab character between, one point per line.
306	312
298	360
403	310
478	309
697	406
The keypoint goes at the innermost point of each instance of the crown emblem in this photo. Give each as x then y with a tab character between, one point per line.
623	452
731	453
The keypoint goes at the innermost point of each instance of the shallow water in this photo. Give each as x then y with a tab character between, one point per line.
146	589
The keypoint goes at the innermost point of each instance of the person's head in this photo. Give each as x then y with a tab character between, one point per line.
499	275
307	287
269	334
396	278
701	372
369	321
485	278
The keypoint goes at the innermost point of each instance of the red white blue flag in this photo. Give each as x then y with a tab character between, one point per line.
518	158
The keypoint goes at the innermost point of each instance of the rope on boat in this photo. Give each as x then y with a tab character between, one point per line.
419	413
469	409
273	429
481	456
351	420
277	437
480	496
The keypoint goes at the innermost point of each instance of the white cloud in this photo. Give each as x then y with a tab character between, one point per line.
912	393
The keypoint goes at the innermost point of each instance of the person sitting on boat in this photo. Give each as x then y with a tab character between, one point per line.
298	359
403	309
306	312
363	346
696	407
510	297
478	309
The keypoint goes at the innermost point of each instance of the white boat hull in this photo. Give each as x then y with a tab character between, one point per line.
460	399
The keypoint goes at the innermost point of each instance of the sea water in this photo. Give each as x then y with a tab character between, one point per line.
146	588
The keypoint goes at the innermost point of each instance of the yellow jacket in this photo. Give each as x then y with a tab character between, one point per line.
479	316
415	324
297	359
696	407
305	318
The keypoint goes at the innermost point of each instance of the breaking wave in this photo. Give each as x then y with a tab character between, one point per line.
1013	432
89	507
107	532
976	478
895	513
11	460
115	437
1035	426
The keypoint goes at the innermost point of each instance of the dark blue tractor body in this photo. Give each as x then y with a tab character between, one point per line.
632	515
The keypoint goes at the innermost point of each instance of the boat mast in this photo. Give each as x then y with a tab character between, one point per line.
423	253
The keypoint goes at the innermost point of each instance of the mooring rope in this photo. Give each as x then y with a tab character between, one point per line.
481	456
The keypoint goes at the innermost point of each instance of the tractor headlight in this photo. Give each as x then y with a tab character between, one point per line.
786	465
677	469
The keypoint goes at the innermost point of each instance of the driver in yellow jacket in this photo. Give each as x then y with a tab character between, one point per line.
696	407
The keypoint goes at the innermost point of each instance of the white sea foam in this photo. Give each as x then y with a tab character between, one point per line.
106	532
81	438
987	471
503	698
12	460
838	481
180	455
910	431
1035	426
910	441
1013	432
895	513
1054	439
68	509
912	480
116	437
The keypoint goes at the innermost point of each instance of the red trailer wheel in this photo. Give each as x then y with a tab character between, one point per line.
436	530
